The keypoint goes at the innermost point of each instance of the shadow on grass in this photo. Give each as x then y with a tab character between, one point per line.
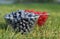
3	26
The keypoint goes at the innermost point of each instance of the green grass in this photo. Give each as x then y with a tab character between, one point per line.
51	29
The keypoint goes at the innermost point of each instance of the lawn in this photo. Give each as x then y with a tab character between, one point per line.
51	29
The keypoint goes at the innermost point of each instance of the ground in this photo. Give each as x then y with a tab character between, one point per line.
51	29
